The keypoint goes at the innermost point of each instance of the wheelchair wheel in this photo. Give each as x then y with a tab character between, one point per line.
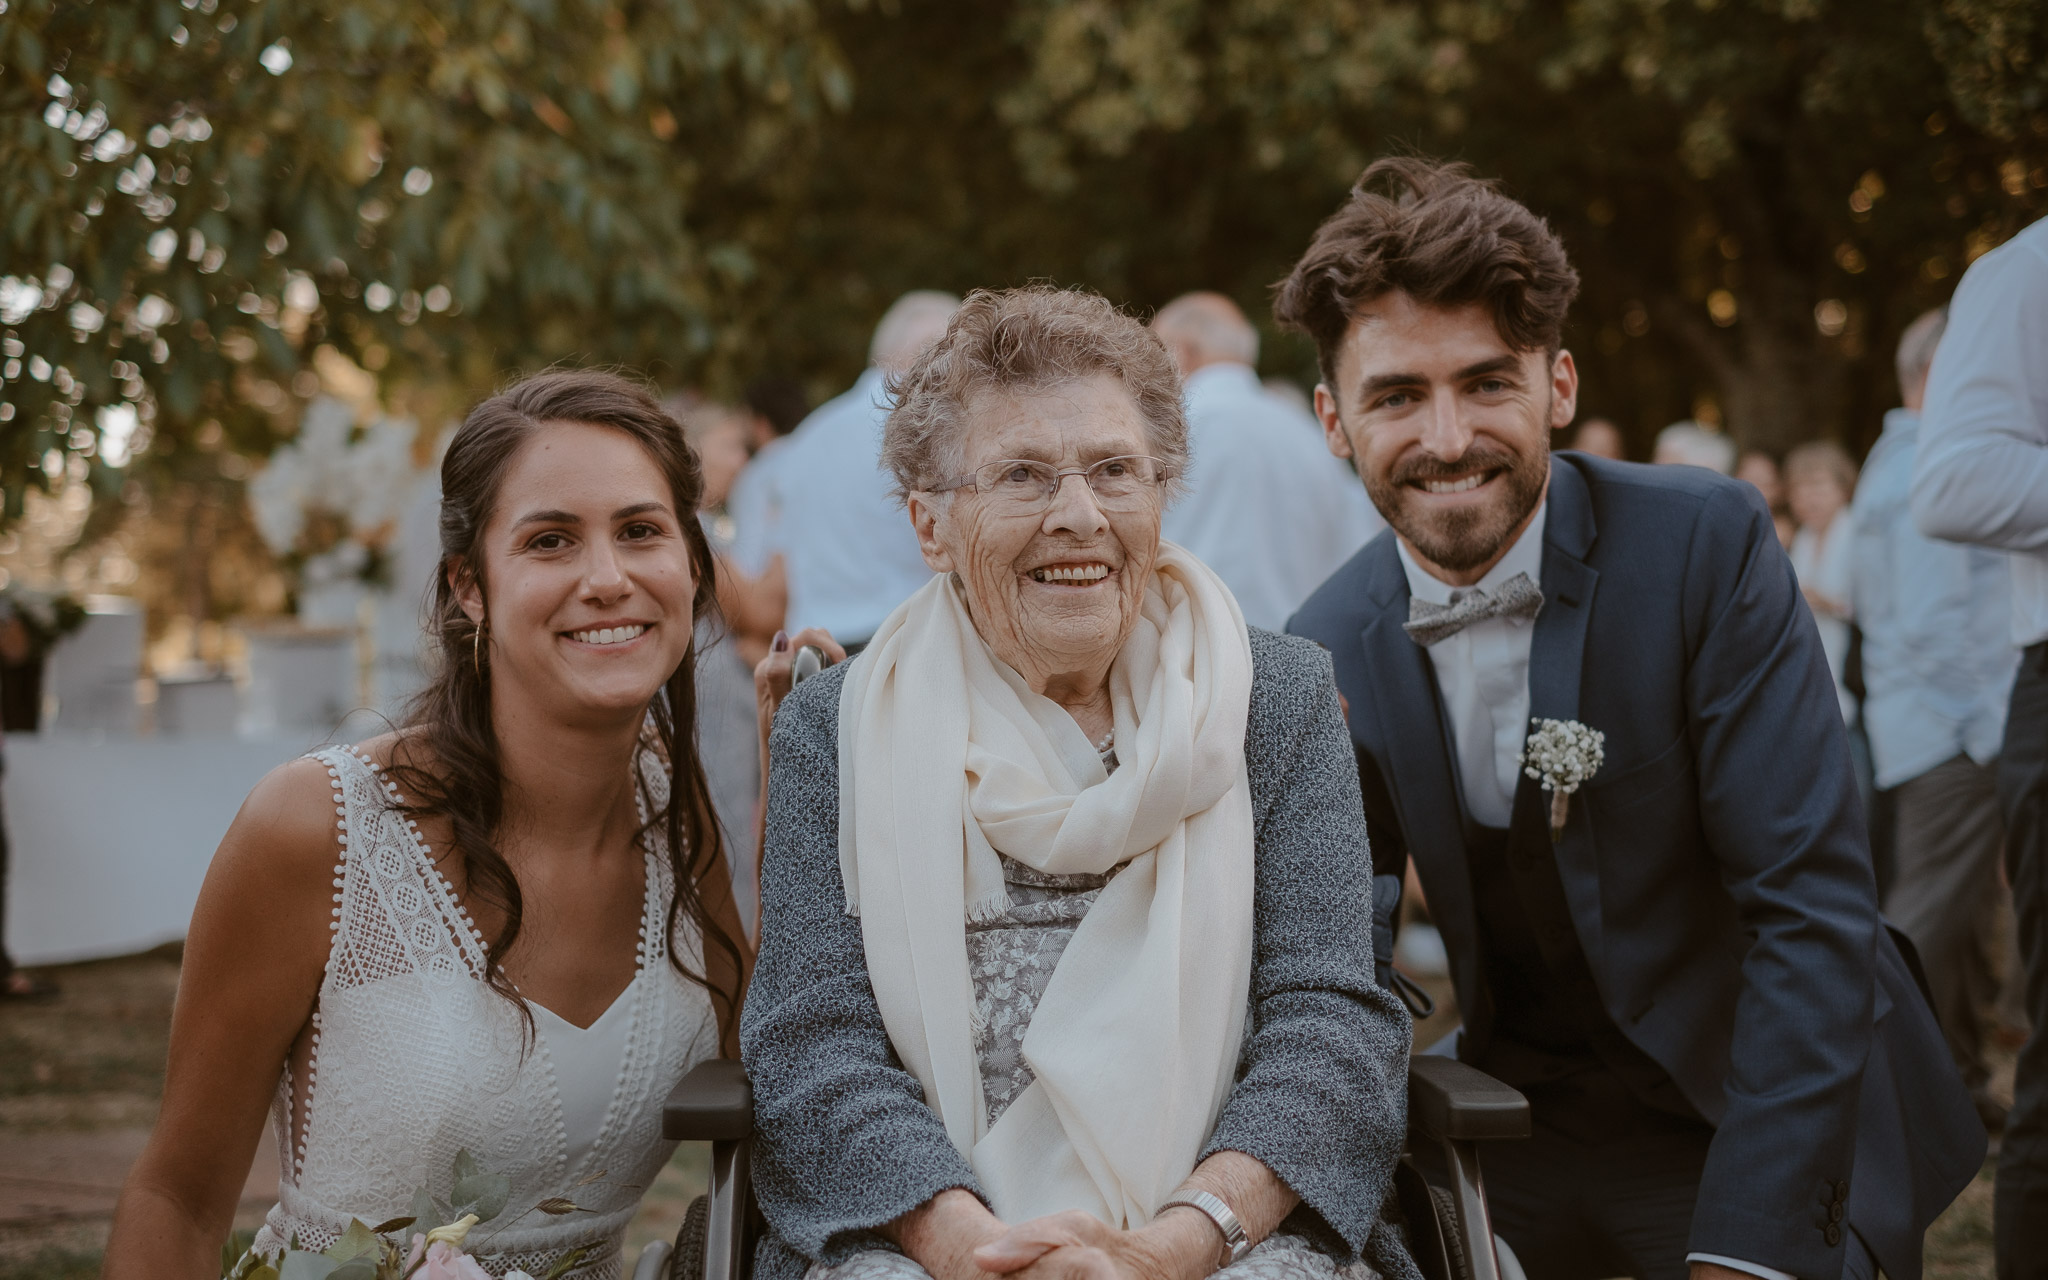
688	1262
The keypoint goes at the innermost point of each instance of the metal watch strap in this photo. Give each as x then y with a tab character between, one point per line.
1235	1242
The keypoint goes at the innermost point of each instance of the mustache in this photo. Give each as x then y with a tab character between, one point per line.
1428	468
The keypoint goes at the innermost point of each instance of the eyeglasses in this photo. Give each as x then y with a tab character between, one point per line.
1021	486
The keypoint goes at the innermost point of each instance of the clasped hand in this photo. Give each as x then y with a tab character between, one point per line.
967	1242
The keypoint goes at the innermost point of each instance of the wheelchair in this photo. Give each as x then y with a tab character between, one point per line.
1450	1104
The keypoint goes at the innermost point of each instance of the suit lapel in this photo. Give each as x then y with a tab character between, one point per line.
1415	745
1556	660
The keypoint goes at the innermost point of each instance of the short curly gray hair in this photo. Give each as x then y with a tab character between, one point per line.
1025	340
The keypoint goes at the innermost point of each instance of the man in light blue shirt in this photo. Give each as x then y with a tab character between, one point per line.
826	507
1264	503
1938	666
1982	478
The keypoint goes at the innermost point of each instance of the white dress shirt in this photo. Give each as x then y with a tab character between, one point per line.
1825	563
846	544
1483	674
1982	475
1265	504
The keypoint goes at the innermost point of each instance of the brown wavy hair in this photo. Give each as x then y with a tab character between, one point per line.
1444	237
447	762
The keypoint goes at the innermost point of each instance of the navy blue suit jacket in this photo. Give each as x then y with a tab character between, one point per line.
1716	867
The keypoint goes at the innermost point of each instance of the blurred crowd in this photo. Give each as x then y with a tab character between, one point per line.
1916	630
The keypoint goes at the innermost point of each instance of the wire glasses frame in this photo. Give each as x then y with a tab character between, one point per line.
1026	486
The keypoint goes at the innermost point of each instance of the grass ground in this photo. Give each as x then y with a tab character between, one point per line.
90	1065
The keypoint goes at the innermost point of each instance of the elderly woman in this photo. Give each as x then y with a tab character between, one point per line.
1066	962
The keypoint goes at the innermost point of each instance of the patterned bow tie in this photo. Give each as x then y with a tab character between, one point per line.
1428	623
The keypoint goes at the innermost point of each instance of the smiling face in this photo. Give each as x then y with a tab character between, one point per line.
1450	427
587	582
1053	593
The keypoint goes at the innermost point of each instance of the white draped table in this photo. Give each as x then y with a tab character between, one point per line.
111	835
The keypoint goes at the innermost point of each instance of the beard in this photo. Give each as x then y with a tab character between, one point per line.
1462	540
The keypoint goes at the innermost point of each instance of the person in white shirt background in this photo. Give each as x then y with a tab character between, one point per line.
848	552
1937	670
1982	478
1264	505
1692	445
1819	480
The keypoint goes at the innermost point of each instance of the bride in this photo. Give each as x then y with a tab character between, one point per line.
506	928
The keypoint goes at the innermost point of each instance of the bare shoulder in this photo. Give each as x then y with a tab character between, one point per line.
286	827
402	748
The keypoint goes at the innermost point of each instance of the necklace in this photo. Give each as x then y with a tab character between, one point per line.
1102	748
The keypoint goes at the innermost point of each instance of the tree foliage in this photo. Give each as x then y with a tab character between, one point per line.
203	193
1759	193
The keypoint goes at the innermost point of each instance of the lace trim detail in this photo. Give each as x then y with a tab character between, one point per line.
413	1057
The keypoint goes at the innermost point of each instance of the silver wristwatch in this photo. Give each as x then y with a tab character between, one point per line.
1236	1243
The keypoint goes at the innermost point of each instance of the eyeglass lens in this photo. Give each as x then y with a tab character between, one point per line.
1117	483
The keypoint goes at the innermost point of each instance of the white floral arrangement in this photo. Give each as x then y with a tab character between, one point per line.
426	1244
1562	755
328	501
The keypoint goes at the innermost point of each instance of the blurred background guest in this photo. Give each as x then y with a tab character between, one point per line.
15	984
777	407
1692	445
1601	438
1265	504
726	734
846	548
1982	477
1760	471
1819	479
1937	669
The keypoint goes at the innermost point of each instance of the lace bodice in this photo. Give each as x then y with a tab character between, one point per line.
415	1058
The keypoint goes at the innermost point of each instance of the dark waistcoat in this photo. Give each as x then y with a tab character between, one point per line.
1549	1035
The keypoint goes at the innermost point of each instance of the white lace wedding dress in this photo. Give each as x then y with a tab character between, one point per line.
415	1058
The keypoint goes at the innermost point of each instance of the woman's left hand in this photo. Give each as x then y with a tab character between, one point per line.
774	674
1080	1246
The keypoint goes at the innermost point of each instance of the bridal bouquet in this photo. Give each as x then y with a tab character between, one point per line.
426	1244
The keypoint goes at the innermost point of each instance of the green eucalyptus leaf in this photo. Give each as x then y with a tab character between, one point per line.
358	1240
426	1214
466	1166
306	1266
483	1194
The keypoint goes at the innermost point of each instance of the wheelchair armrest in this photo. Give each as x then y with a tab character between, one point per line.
713	1103
1451	1101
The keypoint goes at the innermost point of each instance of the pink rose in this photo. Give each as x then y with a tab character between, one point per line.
444	1262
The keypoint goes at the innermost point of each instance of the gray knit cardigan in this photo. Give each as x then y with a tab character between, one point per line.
845	1142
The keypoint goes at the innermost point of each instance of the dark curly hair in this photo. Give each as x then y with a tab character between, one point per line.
1444	237
447	763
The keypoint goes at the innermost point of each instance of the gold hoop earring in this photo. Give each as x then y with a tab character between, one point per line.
476	650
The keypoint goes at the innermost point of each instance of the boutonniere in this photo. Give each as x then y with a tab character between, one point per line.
1561	754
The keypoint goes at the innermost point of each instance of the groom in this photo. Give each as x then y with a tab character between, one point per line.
1731	1070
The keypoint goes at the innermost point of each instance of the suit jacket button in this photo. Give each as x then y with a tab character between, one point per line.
1835	1211
1833	1234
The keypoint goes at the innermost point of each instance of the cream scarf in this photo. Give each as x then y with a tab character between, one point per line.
945	757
